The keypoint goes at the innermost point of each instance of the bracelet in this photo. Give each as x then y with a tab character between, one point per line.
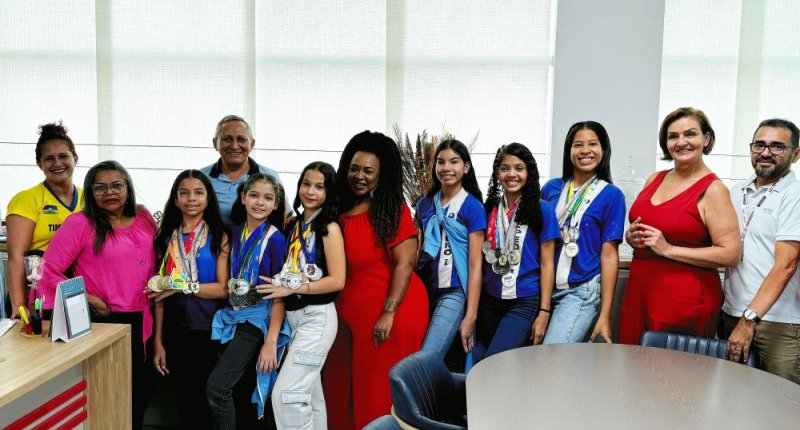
390	305
545	310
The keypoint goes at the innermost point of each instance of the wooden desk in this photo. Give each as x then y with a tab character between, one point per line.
603	386
103	356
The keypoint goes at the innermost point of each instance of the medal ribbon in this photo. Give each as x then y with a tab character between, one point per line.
299	242
492	232
184	254
244	262
568	206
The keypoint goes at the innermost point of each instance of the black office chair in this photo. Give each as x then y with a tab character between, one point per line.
386	422
693	344
426	395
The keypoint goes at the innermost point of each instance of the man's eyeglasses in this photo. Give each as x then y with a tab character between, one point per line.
115	187
775	148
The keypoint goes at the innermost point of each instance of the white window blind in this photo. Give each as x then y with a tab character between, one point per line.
738	61
145	82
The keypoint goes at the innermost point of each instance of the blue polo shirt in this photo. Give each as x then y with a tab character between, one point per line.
226	189
603	221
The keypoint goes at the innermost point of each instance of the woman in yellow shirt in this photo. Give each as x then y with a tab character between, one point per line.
35	214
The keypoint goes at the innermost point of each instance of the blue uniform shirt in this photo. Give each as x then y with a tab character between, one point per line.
603	221
470	214
528	278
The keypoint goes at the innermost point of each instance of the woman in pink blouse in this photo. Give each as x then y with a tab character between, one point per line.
110	245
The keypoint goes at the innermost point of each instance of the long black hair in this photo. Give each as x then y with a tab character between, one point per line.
528	212
387	203
469	181
329	211
98	217
239	212
173	217
603	170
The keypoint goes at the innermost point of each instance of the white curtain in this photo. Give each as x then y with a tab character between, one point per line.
738	61
145	82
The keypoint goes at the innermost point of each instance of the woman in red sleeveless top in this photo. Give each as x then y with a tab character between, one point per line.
683	227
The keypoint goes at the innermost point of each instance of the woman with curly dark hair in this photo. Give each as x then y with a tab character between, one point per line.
519	252
383	308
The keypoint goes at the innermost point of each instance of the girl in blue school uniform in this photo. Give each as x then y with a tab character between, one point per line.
591	217
452	221
251	326
518	253
191	241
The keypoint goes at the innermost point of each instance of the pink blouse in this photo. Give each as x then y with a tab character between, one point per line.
117	275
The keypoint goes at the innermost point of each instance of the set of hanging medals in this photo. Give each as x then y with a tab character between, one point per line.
184	275
301	254
570	232
506	256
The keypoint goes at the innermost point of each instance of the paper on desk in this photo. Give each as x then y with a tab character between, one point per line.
5	325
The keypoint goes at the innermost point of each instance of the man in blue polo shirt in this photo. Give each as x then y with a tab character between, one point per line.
233	140
762	306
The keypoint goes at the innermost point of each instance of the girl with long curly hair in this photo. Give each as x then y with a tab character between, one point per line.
383	308
519	249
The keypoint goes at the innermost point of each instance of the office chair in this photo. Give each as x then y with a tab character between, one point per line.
692	344
426	395
386	422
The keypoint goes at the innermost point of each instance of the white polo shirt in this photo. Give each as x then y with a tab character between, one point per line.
777	219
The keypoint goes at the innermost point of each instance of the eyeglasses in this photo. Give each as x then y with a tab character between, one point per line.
115	187
775	148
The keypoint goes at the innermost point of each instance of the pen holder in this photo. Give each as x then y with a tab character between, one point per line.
36	326
31	335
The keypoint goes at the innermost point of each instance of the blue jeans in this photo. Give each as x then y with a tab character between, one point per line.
574	310
504	324
445	320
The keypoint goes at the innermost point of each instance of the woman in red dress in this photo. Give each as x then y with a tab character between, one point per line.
383	308
683	227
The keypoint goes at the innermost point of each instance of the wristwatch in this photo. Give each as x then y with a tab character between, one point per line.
751	315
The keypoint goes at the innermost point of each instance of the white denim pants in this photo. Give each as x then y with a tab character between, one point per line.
297	398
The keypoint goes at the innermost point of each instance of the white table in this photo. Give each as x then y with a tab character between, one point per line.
604	386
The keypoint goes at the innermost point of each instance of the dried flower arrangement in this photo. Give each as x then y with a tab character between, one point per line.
417	161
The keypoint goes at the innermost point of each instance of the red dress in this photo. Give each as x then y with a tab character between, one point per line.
663	294
355	378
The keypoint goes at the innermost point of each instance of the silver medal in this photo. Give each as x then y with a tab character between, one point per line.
514	258
502	260
291	280
241	293
487	247
509	280
500	270
571	249
574	234
313	272
491	258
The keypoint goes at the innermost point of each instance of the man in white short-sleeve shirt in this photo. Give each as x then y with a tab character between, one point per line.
762	307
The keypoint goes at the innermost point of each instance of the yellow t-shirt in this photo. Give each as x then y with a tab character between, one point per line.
42	207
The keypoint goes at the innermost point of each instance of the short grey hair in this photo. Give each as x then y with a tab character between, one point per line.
229	118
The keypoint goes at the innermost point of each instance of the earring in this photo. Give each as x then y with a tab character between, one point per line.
372	193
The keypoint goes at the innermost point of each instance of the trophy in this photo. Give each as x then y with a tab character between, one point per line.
630	185
34	266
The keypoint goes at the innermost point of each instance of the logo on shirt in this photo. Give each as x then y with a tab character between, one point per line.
50	209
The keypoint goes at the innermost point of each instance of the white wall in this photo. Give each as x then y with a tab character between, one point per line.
608	69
